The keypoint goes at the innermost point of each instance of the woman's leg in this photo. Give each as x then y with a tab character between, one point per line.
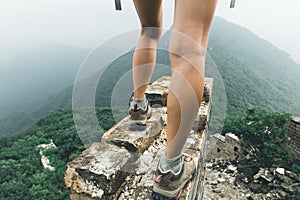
187	48
144	58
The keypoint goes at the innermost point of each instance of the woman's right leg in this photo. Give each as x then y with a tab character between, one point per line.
187	49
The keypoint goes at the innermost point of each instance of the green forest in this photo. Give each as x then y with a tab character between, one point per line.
22	175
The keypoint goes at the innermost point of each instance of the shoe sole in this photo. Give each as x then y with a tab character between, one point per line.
159	194
139	122
139	125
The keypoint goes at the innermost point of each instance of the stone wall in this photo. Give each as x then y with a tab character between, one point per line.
122	165
223	147
294	137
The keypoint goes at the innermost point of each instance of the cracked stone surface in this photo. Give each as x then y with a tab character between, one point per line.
98	170
139	139
157	92
123	164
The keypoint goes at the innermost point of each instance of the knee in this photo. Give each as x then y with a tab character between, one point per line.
151	33
184	47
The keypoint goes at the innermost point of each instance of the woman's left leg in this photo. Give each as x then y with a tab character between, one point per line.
144	58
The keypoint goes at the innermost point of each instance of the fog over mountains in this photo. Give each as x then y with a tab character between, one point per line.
34	75
254	72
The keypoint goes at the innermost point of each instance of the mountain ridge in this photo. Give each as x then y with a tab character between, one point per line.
251	68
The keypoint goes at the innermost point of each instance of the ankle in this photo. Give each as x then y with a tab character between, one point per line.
140	103
173	164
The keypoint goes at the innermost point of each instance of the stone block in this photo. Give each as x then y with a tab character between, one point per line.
296	119
202	116
224	147
135	140
194	141
123	165
97	171
157	92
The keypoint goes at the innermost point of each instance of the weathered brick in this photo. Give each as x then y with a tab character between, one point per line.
135	140
123	165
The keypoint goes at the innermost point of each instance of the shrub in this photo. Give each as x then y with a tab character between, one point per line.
264	134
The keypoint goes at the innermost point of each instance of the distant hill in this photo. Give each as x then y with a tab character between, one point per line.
18	120
254	72
34	75
33	79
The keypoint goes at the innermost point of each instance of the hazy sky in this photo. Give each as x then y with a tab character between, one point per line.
28	24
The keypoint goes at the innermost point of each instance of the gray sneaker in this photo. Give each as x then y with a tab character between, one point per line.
140	115
168	185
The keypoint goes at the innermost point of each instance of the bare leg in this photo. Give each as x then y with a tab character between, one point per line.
144	58
187	55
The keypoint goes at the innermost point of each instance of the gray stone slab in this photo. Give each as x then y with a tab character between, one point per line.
123	165
98	170
136	140
157	92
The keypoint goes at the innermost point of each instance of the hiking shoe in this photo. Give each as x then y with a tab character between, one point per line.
169	185
139	115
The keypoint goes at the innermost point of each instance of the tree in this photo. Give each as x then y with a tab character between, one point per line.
264	134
